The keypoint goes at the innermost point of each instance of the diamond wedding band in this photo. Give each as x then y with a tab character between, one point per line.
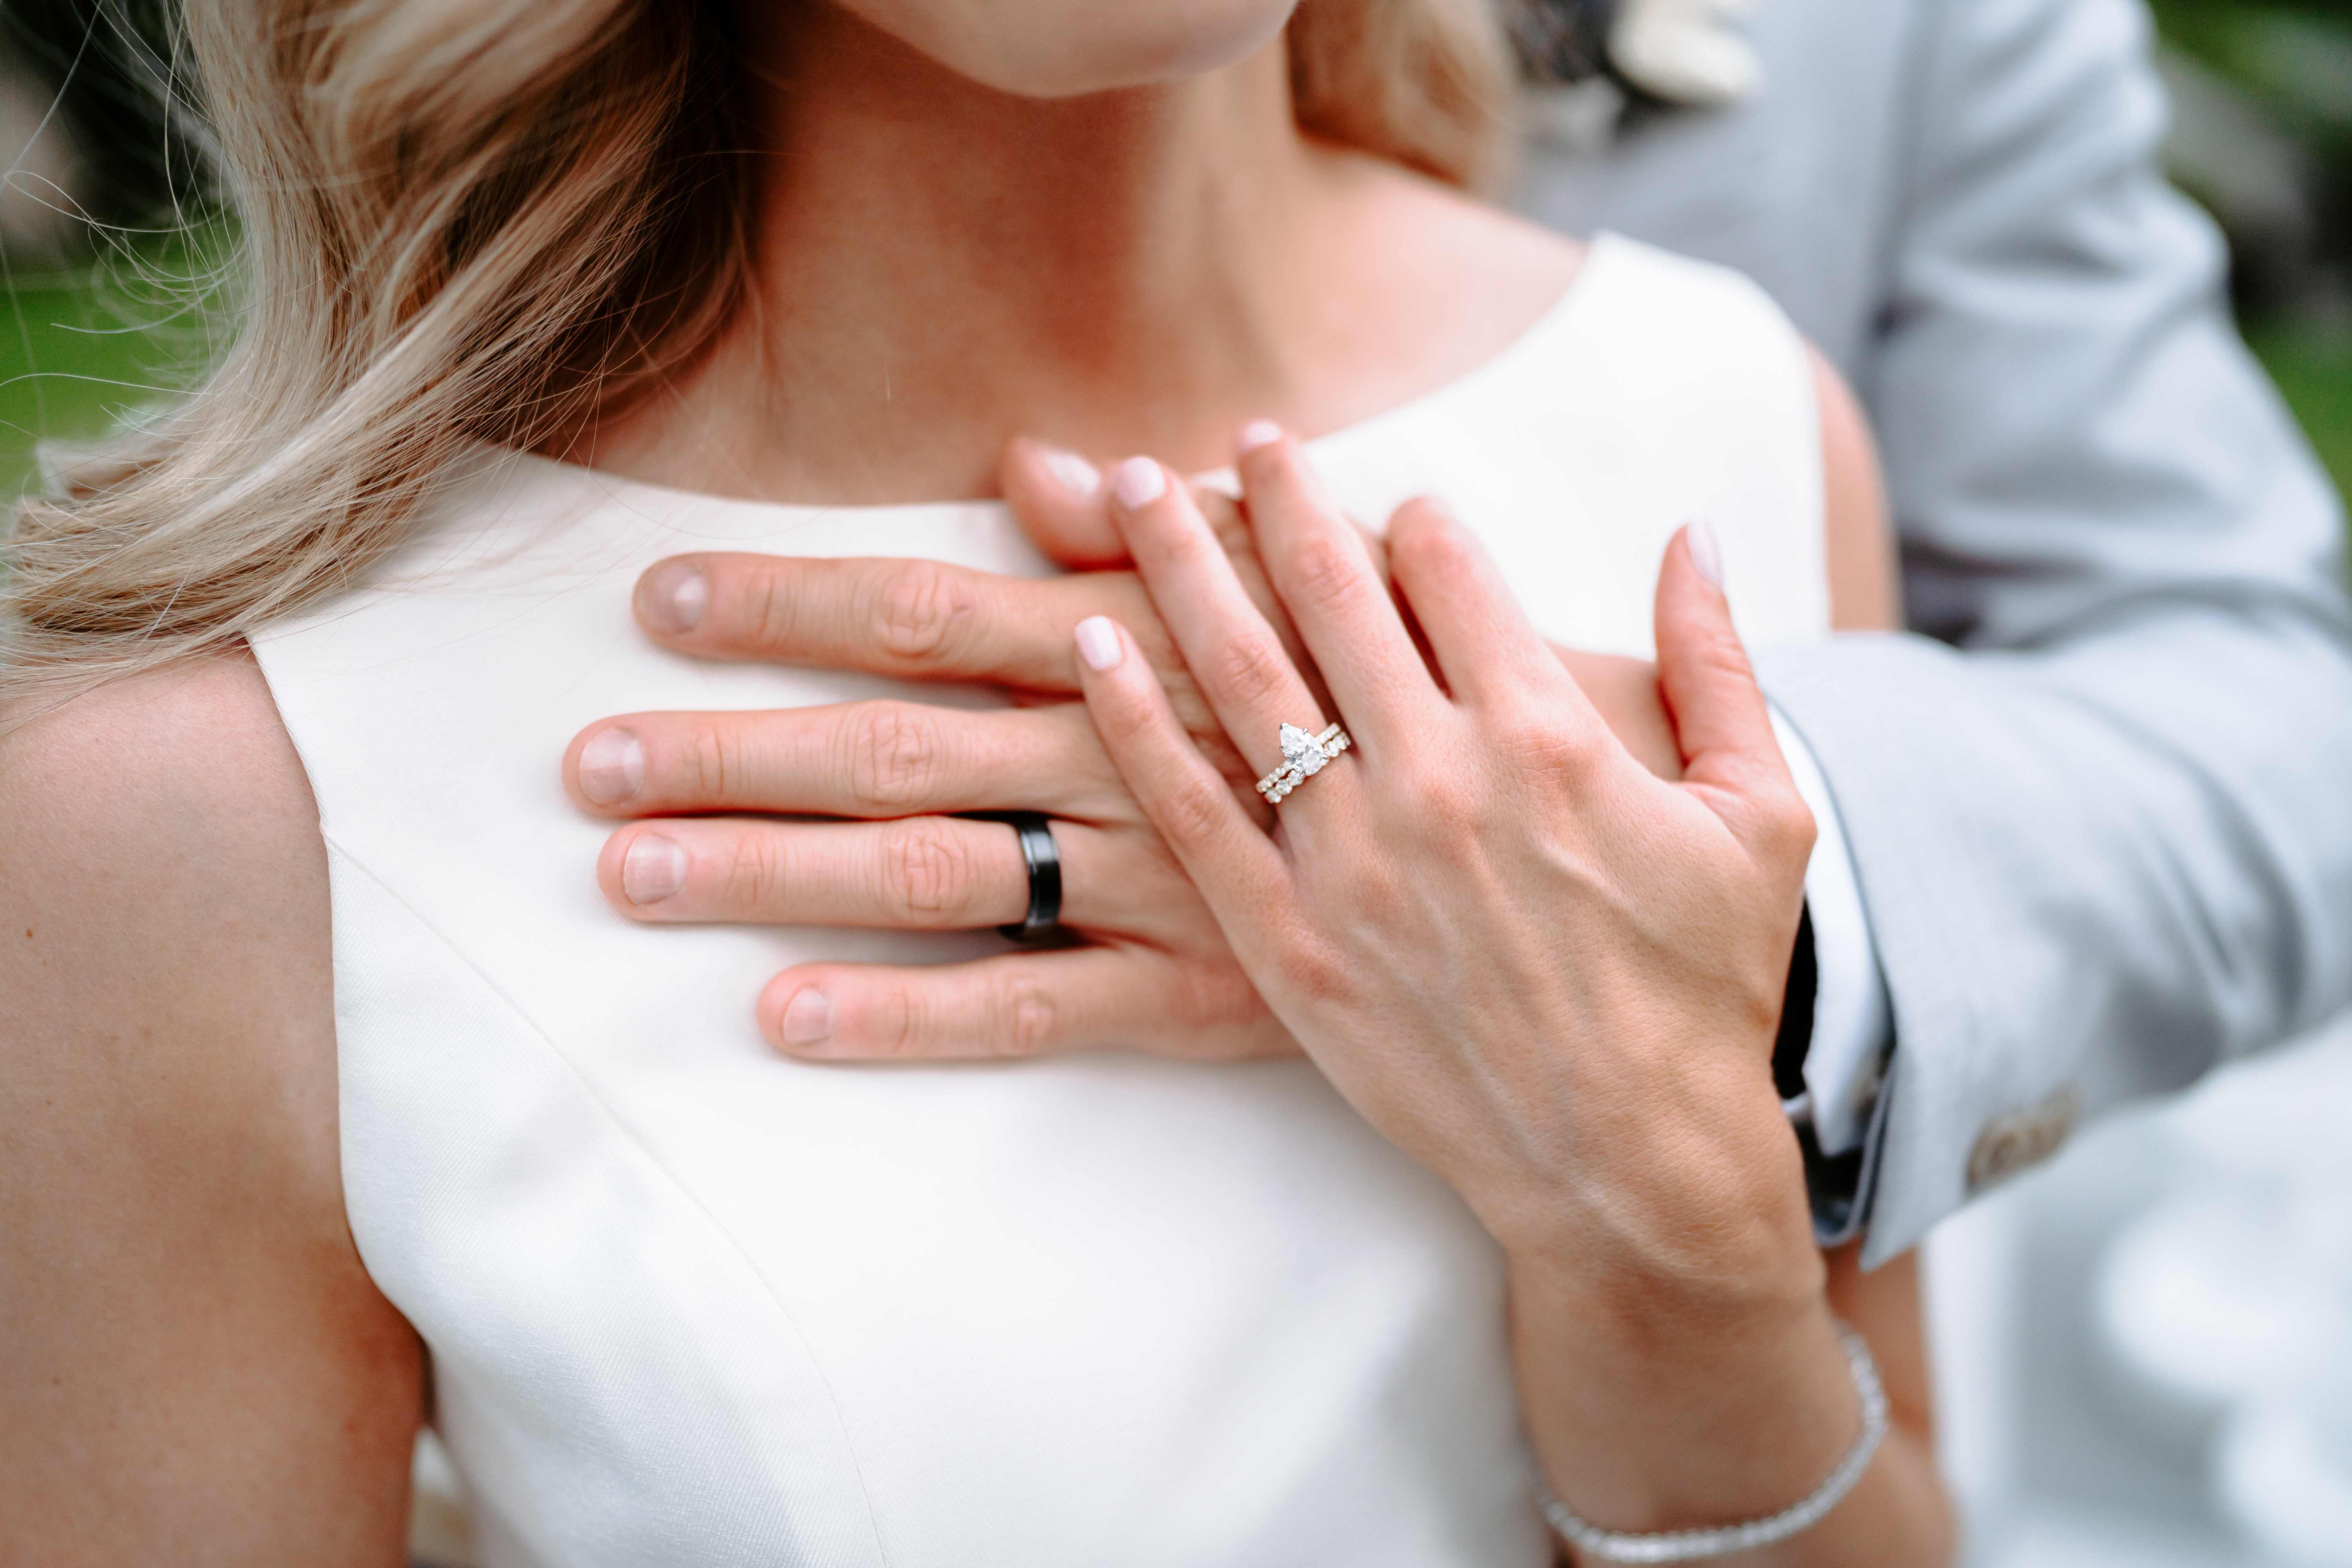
1303	756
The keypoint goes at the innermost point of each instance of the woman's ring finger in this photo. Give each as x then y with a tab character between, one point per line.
1303	756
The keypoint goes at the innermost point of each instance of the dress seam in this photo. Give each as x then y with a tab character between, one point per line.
620	1123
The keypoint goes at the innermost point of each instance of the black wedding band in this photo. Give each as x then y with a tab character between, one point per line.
1035	831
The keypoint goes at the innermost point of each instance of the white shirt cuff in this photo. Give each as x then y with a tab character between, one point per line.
1850	1023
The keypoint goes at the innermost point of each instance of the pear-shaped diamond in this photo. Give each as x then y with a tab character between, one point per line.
1299	747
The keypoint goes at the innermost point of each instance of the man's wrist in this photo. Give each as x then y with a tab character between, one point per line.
1830	1061
1845	1055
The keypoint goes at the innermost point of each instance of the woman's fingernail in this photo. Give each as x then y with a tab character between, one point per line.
1705	553
1256	434
808	1017
1073	473
672	596
1138	482
612	767
1098	642
653	870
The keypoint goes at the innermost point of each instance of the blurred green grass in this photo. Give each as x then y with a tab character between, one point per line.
2313	367
78	351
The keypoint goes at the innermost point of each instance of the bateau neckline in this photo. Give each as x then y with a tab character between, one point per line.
1570	304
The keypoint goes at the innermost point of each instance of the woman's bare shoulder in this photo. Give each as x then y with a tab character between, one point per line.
186	1310
163	865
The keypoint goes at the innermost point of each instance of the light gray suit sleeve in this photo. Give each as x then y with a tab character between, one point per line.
2102	809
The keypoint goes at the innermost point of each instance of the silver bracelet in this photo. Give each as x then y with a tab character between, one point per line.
1689	1545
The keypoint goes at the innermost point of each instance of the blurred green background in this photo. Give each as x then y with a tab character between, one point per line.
95	323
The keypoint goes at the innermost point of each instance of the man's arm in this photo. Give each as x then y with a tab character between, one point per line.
2096	810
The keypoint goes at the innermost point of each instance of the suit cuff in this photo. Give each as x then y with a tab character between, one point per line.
1846	1061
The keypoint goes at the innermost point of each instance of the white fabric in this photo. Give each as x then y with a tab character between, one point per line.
1851	1028
691	1303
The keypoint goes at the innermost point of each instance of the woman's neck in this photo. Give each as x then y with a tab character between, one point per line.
941	266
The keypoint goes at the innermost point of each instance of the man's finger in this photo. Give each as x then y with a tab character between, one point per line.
919	620
1058	498
934	873
880	759
1020	1005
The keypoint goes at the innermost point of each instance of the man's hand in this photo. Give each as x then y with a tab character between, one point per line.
1154	973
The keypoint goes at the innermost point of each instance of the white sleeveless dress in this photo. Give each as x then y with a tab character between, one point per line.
689	1303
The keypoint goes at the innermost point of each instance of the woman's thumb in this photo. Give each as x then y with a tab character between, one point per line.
1057	498
1721	724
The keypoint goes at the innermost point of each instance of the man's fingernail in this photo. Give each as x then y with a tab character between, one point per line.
1073	473
1256	434
612	766
1098	642
1137	483
808	1017
653	870
672	596
1705	553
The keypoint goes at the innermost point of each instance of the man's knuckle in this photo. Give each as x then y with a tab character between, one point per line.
1217	995
926	872
1028	1013
895	757
919	611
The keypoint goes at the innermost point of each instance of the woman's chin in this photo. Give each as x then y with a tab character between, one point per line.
1067	48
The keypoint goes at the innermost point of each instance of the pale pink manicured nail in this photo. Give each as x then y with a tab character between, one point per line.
653	870
1138	482
1099	644
808	1017
672	596
1256	434
612	766
1705	553
1072	472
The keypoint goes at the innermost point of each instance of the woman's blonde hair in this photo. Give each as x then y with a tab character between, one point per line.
468	221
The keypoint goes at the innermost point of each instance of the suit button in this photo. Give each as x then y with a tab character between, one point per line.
2010	1143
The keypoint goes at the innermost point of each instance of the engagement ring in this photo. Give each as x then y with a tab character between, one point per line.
1303	756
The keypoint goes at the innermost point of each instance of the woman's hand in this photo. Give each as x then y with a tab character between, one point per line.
1548	974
